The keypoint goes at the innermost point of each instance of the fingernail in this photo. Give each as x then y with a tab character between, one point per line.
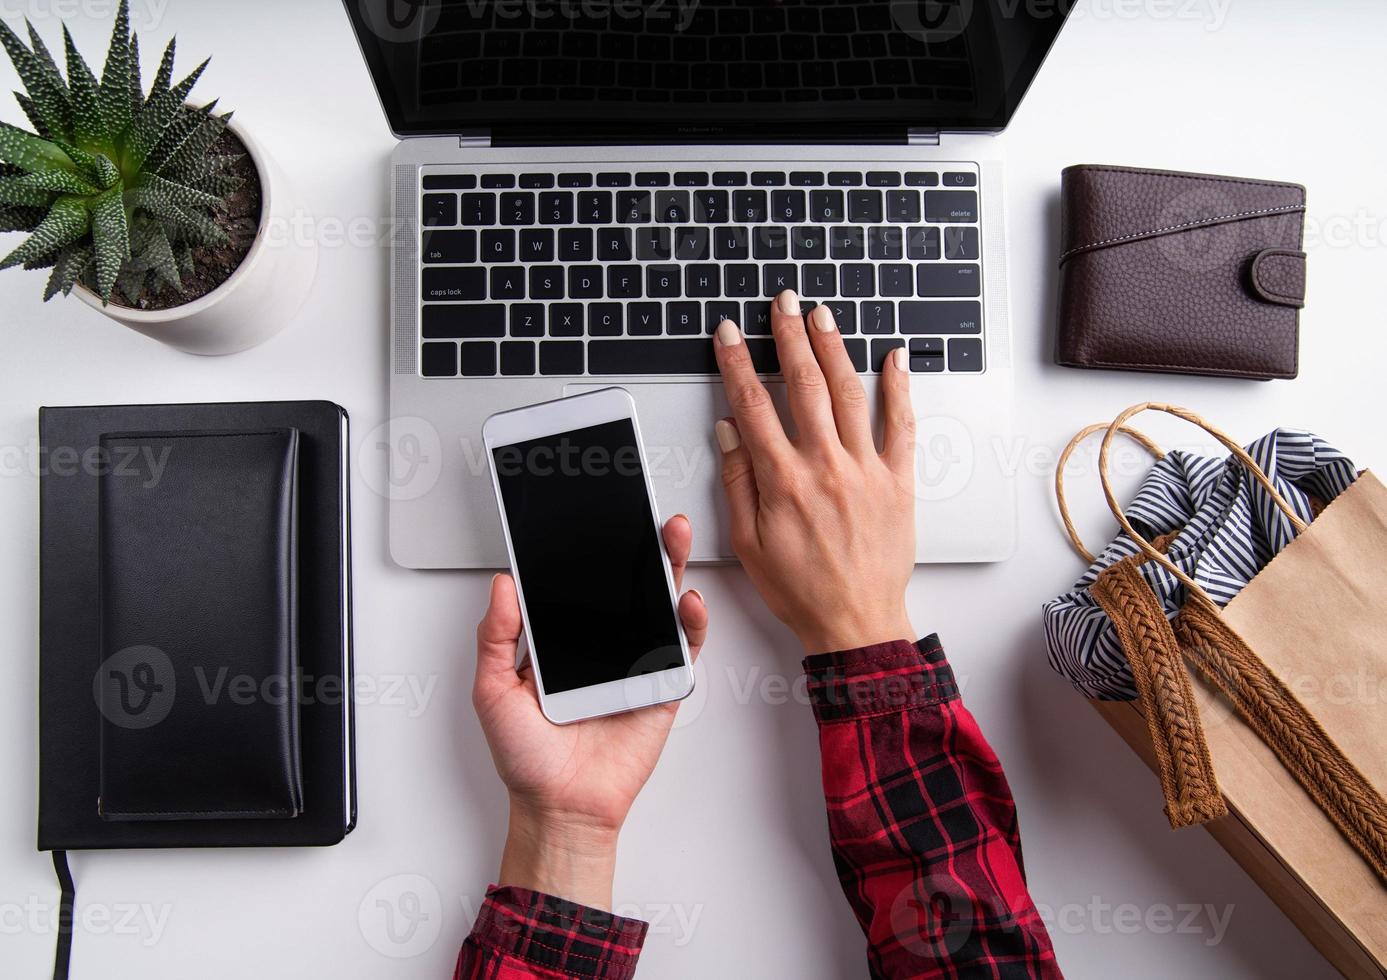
700	597
684	518
788	302
728	436
900	359
822	318
729	334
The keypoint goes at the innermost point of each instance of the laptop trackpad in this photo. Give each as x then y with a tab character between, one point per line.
676	423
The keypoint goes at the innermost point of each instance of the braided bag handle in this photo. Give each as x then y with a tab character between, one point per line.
1156	649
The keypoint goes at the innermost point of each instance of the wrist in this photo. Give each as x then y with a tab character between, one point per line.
559	855
850	634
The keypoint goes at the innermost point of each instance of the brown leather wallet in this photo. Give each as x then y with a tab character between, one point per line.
1182	273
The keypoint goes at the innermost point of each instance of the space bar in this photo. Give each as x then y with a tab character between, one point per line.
692	356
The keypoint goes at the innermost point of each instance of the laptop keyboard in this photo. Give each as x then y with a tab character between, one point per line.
627	272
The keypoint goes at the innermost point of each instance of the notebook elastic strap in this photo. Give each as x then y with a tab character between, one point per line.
63	956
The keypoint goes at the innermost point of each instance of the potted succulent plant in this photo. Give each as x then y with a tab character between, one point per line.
154	211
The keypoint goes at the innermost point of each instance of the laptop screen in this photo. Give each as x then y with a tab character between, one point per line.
567	70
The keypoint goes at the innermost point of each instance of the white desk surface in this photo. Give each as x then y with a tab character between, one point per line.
726	850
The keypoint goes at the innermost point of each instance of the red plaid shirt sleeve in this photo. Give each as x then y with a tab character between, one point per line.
923	826
521	934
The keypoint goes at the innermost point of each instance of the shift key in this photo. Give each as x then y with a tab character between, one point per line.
940	317
946	207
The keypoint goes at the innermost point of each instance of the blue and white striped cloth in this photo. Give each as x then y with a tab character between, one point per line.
1232	528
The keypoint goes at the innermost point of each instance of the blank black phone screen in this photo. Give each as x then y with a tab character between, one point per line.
587	556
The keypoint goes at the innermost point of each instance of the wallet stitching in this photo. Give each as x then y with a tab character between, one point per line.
1202	178
1262	260
1180	227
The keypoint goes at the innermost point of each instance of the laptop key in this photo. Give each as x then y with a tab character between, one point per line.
672	207
498	180
450	246
776	278
881	349
951	206
478	359
844	314
546	282
478	209
711	207
562	356
756	318
630	356
454	284
926	346
691	244
729	178
704	279
949	280
654	244
942	317
690	178
820	280
585	281
878	316
826	206
857	278
885	243
845	178
767	178
614	245
444	182
883	178
575	180
632	207
662	280
439	210
498	245
684	318
526	320
749	206
575	245
604	320
537	245
517	357
957	179
896	279
806	178
595	207
715	311
741	280
507	282
864	206
787	206
857	351
922	178
556	208
846	242
808	242
770	242
439	360
903	206
965	354
960	243
536	181
644	319
922	243
652	179
566	320
612	179
730	243
624	281
463	321
518	208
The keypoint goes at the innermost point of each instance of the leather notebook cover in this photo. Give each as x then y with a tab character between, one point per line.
198	557
147	566
1178	272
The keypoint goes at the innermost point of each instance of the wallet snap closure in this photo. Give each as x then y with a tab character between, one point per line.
1278	276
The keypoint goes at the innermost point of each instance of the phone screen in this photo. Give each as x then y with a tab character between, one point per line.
587	556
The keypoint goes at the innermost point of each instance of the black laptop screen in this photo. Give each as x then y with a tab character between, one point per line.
681	69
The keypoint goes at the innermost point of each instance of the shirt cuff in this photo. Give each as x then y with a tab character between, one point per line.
559	935
879	679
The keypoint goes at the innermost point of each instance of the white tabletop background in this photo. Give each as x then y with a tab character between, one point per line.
726	851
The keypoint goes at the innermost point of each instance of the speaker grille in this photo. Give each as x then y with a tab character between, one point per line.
404	271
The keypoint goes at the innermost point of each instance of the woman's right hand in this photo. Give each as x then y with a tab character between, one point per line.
823	523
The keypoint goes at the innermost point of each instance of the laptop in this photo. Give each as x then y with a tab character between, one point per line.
584	189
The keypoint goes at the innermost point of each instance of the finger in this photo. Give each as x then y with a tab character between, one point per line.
757	422
678	535
498	634
845	389
804	380
693	613
898	429
739	483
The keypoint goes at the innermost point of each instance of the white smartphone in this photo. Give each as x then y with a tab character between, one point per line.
583	533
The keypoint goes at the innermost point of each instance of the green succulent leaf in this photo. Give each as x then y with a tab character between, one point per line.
57	181
111	236
156	116
67	269
13	192
67	220
87	126
41	79
179	194
114	93
31	112
136	85
183	127
30	152
152	252
163	78
18	217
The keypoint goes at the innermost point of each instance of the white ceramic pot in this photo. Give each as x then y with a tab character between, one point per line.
262	295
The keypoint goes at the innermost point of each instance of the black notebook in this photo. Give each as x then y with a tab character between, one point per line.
194	584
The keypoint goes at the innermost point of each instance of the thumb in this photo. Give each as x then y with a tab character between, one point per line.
498	634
